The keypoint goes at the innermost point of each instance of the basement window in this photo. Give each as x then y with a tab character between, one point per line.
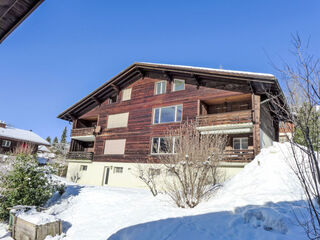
83	167
6	143
118	170
154	171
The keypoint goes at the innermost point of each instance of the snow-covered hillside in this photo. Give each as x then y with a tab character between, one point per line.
258	203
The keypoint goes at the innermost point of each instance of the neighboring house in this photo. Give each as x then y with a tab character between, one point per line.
44	152
13	138
13	13
286	130
122	123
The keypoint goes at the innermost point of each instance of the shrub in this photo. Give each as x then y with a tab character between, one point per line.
26	183
194	164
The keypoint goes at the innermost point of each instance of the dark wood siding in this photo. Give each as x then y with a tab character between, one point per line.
140	129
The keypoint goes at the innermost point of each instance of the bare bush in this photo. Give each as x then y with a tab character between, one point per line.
191	160
302	110
147	174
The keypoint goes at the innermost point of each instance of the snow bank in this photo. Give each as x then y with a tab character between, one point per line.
255	204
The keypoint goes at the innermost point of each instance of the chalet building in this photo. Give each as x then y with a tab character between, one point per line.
123	122
13	138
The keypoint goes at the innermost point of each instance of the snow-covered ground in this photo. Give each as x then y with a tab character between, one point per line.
258	203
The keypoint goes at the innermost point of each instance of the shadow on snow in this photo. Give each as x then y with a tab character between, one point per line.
269	221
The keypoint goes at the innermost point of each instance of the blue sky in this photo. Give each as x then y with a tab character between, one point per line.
67	48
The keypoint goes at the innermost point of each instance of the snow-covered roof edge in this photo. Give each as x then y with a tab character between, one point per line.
212	69
22	135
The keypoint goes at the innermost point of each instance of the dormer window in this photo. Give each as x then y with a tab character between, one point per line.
178	85
160	87
113	99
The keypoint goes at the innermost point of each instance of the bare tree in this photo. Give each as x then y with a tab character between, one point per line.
302	110
147	174
191	160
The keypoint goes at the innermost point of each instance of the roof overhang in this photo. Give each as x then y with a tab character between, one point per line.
217	78
13	13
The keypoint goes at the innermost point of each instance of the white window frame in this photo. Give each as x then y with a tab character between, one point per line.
241	139
156	87
174	85
6	143
175	114
118	170
154	171
83	168
158	148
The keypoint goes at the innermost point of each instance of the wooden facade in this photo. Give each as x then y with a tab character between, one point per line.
206	99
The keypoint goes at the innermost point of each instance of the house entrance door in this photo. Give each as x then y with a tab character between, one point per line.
106	176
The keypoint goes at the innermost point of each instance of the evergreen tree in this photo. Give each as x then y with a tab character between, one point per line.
307	126
64	135
55	140
48	139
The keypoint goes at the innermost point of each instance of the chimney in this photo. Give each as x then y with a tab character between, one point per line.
2	124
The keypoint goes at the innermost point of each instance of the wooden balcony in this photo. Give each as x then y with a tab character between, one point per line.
244	155
76	132
80	155
237	117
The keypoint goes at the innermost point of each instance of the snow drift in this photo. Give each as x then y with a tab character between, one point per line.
257	203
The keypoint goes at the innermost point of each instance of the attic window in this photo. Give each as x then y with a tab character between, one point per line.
6	143
113	99
178	85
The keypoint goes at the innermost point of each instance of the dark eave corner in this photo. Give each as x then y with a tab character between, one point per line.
13	13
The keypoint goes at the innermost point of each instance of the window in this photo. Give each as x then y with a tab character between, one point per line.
154	171
178	85
167	114
161	145
126	94
118	170
240	143
115	147
83	167
113	99
6	143
118	120
160	87
283	139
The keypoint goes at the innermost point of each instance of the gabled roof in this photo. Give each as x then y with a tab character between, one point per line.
257	83
14	12
22	135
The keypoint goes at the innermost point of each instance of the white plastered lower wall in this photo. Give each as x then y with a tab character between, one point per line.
95	173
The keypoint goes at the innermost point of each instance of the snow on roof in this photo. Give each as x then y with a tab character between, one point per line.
43	148
213	69
20	134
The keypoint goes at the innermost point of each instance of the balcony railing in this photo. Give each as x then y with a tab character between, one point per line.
244	116
80	155
76	132
237	155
